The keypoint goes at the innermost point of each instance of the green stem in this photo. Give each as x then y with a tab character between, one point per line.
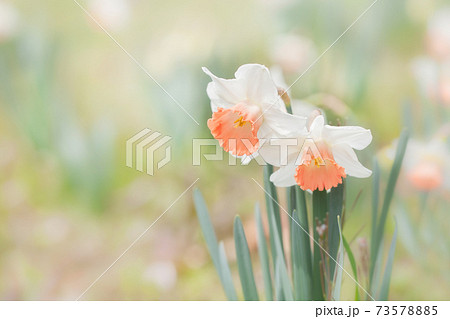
319	215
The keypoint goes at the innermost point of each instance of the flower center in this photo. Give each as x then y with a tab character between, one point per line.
239	122
318	170
236	128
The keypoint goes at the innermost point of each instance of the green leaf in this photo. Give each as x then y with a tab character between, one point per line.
244	262
280	267
303	274
217	256
272	201
384	292
225	271
335	206
263	254
301	263
319	214
375	200
393	176
283	278
375	284
351	258
337	282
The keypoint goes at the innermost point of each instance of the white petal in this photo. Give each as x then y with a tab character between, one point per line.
277	75
317	126
302	108
224	93
346	157
259	86
355	136
282	124
279	151
284	176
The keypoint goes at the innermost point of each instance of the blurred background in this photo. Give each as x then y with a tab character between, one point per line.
70	98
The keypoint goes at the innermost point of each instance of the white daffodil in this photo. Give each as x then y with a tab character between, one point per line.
438	34
8	21
433	78
319	157
247	109
111	14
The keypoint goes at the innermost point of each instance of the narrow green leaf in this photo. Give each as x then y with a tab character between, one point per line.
304	258
278	285
337	282
375	200
213	247
283	277
393	176
272	200
244	262
335	206
384	292
301	265
263	254
319	215
280	268
375	284
227	283
291	204
351	258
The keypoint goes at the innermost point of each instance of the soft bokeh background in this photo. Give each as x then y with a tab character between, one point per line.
70	98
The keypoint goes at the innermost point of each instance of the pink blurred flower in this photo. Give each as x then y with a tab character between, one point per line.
293	53
438	34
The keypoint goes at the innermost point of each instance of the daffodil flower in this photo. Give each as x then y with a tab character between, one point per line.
247	109
425	165
321	156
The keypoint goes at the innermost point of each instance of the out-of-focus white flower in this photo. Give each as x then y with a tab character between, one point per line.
438	34
293	53
321	156
162	273
9	20
111	14
186	43
247	109
433	78
425	164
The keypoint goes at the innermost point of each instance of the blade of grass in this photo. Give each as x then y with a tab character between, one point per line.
291	204
302	249
393	176
335	205
227	283
263	254
375	284
384	292
337	282
283	277
280	268
213	247
244	262
375	200
272	200
351	258
300	273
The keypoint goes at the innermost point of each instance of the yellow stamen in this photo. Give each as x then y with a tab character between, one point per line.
318	161
239	122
